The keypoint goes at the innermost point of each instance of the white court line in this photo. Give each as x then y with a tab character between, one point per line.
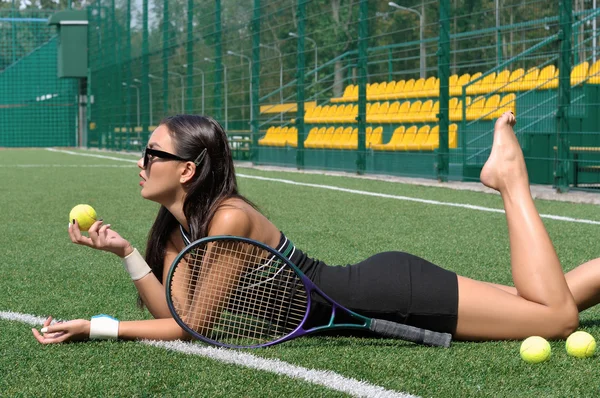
374	194
323	378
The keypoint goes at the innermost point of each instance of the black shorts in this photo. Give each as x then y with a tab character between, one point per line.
396	286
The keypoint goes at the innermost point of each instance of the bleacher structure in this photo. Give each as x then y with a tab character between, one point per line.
402	118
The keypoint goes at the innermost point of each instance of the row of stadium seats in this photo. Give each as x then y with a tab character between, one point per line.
412	138
505	81
413	112
425	138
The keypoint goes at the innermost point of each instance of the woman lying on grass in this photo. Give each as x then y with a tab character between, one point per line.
188	169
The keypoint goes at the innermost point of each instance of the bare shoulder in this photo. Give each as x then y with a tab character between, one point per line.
234	217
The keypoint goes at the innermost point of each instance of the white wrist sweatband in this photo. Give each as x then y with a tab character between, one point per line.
104	327
136	265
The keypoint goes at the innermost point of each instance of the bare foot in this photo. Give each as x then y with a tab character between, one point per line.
506	165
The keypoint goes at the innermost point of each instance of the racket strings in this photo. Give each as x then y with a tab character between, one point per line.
237	293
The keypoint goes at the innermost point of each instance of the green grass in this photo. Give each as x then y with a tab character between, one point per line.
43	273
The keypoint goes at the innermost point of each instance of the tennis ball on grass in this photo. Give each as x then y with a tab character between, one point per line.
85	216
535	349
581	345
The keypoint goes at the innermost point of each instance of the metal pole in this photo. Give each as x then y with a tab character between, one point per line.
363	36
155	78
422	59
149	95
300	71
280	75
594	33
255	79
201	74
182	90
444	95
292	34
562	162
249	76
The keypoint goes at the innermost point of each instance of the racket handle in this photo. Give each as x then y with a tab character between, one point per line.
410	333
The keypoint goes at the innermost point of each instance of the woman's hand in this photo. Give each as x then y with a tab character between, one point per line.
101	237
62	332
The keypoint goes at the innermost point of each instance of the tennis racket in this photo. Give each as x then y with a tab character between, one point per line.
235	292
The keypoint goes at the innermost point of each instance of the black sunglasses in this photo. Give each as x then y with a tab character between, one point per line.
166	155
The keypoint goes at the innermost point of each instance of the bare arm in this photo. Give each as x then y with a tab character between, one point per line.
152	291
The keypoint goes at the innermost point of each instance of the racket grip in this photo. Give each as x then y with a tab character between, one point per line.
410	333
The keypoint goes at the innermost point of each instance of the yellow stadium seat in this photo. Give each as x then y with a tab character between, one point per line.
407	138
322	137
281	137
340	138
453	80
530	80
329	137
374	137
432	115
421	115
267	137
412	112
393	110
456	90
351	142
417	89
381	115
340	112
402	111
483	86
490	107
475	110
398	90
371	89
433	140
345	96
312	115
548	78
579	73
514	80
594	73
475	88
457	113
407	89
507	103
420	139
372	111
453	136
501	81
397	136
431	88
291	138
389	91
313	134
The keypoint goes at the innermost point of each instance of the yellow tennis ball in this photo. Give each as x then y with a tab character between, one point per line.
85	216
581	345
535	349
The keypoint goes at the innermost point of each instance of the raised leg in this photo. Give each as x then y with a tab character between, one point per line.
544	304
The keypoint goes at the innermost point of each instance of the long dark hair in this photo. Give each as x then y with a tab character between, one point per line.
213	182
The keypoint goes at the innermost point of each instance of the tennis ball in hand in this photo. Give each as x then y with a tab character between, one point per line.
581	345
535	349
85	216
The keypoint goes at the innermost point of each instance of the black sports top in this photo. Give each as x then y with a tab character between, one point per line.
396	286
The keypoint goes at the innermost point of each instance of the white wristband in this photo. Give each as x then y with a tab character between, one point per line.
136	265
104	327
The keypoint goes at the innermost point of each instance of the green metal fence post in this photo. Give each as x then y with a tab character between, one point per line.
128	72
301	63
256	81
218	63
562	163
363	36
390	66
145	103
189	104
444	73
165	56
